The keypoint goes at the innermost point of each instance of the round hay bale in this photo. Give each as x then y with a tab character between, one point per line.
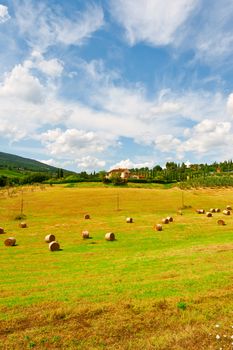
158	227
129	220
110	236
165	221
228	207
1	230
170	219
200	211
85	234
226	212
86	216
209	214
53	246
212	210
217	210
10	241
221	222
179	212
23	225
50	238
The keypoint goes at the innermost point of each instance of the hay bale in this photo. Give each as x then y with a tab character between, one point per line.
10	241
212	210
158	227
49	238
53	246
129	220
200	211
23	225
110	236
228	207
170	219
1	230
221	222
209	214
86	216
226	212
217	210
85	234
179	212
165	221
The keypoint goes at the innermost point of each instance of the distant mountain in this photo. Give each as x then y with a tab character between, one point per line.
21	164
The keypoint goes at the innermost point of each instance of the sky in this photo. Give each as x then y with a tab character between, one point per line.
98	84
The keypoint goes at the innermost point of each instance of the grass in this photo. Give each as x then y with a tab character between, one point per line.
147	289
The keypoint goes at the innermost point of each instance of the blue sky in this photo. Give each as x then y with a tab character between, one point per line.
92	85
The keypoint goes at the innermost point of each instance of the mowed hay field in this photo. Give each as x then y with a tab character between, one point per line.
169	289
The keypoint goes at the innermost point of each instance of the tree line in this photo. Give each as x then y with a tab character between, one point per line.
216	173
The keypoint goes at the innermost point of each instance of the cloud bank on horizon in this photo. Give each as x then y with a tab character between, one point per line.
97	84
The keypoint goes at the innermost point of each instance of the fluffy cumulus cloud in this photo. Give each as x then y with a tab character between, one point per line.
209	137
151	21
4	15
44	26
129	164
20	84
73	142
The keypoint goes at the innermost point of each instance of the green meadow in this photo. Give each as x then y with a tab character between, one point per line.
146	290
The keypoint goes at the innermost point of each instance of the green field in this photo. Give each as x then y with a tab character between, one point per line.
146	290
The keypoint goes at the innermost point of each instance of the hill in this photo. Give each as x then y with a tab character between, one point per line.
15	165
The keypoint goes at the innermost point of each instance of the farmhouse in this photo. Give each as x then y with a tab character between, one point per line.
123	173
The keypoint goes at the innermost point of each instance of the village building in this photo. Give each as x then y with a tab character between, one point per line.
123	173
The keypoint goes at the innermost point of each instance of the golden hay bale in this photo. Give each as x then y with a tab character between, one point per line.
110	236
165	221
86	216
23	225
209	214
221	222
158	227
85	234
212	210
179	212
11	241
170	219
228	207
50	238
53	246
1	230
226	212
200	211
217	210
129	220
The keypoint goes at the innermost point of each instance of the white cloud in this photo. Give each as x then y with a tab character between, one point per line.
129	164
20	84
89	163
4	15
230	104
209	137
52	67
214	39
152	21
167	143
72	142
44	26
